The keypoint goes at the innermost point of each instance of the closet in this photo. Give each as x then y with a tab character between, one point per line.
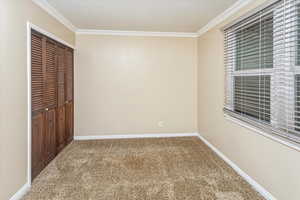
51	99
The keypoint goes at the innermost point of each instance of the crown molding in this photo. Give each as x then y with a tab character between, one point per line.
223	16
134	33
54	13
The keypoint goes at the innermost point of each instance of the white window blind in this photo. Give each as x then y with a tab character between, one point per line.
262	60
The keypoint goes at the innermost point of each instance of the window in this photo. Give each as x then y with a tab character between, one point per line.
262	60
252	96
254	54
254	45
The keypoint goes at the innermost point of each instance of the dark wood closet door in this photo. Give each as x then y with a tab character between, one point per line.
49	135
44	101
37	149
37	103
52	99
69	122
69	74
61	115
61	129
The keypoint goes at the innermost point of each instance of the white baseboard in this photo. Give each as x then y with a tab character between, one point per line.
267	195
22	191
127	136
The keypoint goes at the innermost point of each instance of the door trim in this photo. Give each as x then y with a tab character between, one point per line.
30	27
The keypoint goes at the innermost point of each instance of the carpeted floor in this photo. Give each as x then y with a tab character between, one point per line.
140	169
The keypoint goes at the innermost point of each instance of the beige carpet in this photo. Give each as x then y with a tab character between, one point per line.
140	169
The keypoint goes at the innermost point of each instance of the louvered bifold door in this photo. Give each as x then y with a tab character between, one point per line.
61	115
37	103
69	95
50	96
43	100
52	99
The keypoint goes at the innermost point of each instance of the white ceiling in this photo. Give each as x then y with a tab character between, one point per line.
141	15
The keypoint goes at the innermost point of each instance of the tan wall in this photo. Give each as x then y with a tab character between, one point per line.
13	76
126	84
274	166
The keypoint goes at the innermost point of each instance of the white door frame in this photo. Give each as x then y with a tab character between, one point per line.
30	27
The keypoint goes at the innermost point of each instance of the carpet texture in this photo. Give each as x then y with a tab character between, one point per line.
140	169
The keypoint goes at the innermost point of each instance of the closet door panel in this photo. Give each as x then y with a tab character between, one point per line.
50	93
37	103
69	94
37	147
61	128
69	122
37	81
61	75
50	132
69	74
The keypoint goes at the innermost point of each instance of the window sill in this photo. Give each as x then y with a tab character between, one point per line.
274	137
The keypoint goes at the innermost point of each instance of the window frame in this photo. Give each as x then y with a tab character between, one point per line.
288	136
251	72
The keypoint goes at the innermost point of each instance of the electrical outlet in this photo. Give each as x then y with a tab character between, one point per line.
161	124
